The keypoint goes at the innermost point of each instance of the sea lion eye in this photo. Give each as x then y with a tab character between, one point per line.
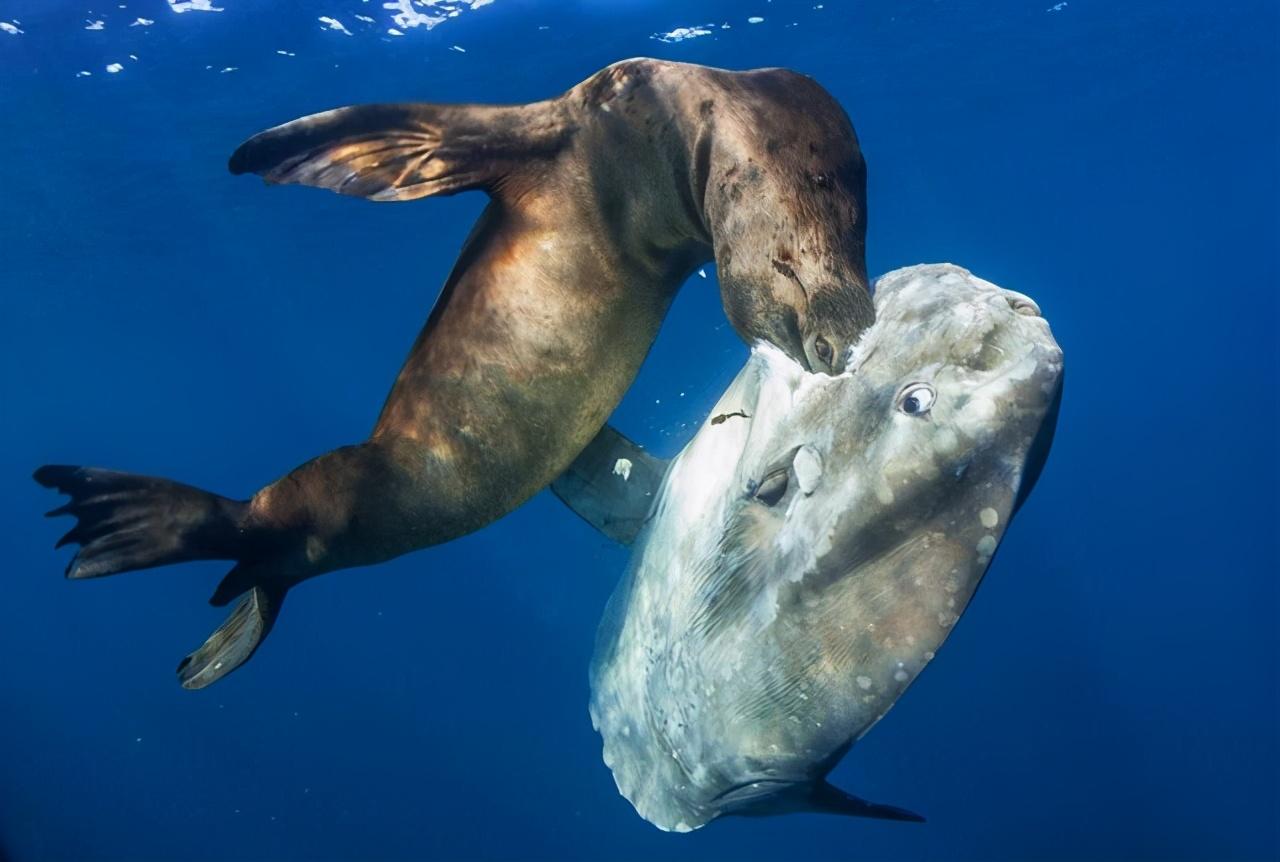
823	348
917	399
772	487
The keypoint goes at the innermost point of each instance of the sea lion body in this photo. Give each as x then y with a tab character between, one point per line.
604	200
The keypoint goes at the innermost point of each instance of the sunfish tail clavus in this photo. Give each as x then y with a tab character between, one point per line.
802	559
603	201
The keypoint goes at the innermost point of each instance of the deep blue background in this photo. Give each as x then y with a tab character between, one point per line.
1111	693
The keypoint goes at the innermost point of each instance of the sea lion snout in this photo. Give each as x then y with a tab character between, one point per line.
813	315
833	323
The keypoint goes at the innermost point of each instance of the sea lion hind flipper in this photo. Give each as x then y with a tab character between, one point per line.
235	583
826	798
126	522
235	640
612	485
399	152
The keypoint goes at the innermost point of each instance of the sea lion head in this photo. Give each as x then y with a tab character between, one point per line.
807	557
785	201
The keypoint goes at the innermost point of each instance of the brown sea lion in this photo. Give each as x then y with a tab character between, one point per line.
604	201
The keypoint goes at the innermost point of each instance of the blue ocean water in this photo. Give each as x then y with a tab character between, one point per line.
1112	691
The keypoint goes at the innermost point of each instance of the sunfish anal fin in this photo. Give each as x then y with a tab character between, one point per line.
829	799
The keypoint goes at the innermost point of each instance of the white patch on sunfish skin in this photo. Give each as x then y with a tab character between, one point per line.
983	408
986	547
989	517
622	467
864	682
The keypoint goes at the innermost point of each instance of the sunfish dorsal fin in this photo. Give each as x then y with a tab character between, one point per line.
400	152
612	485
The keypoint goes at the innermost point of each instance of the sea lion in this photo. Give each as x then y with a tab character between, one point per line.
604	201
800	563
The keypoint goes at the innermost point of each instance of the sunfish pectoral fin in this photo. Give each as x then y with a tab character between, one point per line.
399	152
829	799
235	640
612	485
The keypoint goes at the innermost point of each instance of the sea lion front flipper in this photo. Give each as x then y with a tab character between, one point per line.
234	641
399	152
612	485
826	798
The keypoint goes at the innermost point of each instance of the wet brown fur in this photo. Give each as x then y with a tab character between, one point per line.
604	201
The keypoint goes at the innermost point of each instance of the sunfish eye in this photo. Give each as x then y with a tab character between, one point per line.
917	399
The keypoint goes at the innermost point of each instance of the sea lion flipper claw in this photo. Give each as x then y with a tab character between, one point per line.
398	152
234	641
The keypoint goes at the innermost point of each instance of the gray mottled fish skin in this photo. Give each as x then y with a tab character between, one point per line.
753	640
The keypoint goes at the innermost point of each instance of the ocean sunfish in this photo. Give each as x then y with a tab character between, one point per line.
799	563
